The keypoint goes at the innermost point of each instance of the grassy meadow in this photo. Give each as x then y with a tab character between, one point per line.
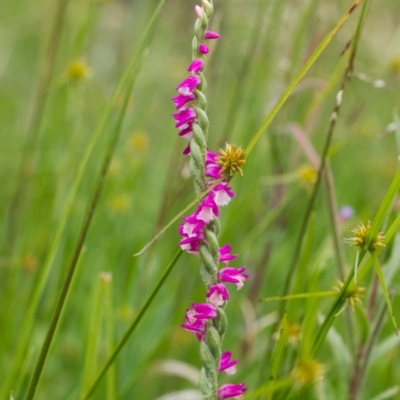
91	169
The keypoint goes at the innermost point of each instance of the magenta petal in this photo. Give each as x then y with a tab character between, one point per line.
231	390
196	65
224	254
233	275
187	150
204	310
203	49
207	209
211	35
187	86
217	295
226	364
182	99
187	115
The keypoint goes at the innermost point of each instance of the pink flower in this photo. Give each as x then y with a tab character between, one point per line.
199	11
185	116
212	169
226	364
196	318
231	390
187	150
233	275
222	194
346	213
186	131
217	295
192	227
191	244
224	255
182	99
187	86
207	209
203	49
195	326
202	311
211	35
197	65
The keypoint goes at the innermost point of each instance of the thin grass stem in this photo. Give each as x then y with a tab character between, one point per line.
133	326
77	251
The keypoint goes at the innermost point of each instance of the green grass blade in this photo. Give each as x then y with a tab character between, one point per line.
277	357
309	63
110	334
364	269
270	387
298	296
300	75
308	325
384	289
93	337
385	206
23	341
349	285
92	205
133	326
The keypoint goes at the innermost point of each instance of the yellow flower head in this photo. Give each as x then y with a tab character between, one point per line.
292	333
120	203
353	297
231	159
395	64
77	71
138	141
308	372
307	174
361	238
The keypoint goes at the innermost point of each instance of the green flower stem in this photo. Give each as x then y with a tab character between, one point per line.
201	196
349	285
132	327
336	308
328	140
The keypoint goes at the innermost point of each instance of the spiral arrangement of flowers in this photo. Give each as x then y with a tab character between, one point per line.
199	231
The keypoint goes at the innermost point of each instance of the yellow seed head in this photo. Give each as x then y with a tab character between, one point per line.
353	297
308	372
120	203
361	238
307	174
231	159
395	64
138	141
78	71
293	333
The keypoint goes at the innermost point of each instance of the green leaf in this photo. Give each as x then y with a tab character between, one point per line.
277	357
384	289
132	327
300	75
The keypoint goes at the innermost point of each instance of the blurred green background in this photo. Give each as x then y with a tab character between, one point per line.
262	45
